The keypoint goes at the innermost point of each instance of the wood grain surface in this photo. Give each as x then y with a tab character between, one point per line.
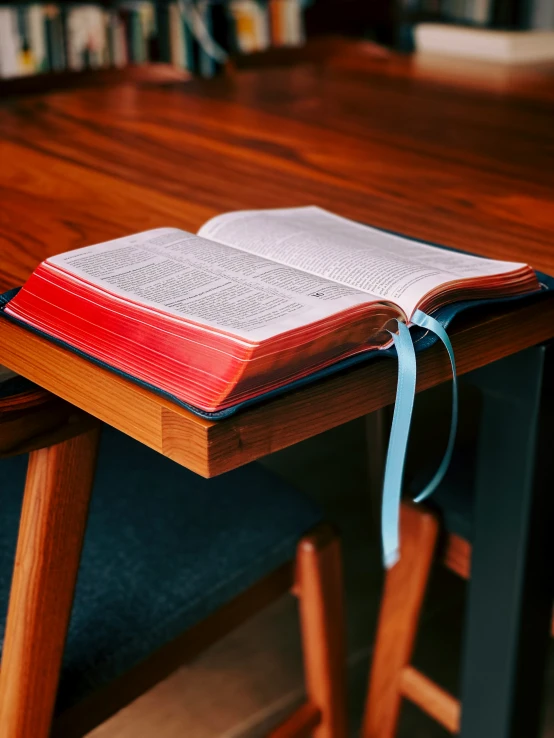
372	137
213	447
459	166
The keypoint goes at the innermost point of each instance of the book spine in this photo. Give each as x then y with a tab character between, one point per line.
37	37
541	15
107	47
482	12
137	36
9	43
162	31
61	39
122	44
110	37
245	36
294	23
125	19
148	18
251	25
206	64
64	32
176	36
74	33
49	16
262	25
468	10
95	22
25	61
191	47
277	23
220	27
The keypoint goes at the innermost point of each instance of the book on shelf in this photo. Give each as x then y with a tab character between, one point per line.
207	12
195	35
510	47
23	46
253	302
541	14
252	25
87	46
286	23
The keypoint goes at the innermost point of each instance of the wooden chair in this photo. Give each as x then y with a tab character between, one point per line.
440	531
170	563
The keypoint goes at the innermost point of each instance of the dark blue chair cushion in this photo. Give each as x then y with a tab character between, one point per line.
454	497
15	386
164	548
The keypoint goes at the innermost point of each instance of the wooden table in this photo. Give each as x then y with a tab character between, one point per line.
371	136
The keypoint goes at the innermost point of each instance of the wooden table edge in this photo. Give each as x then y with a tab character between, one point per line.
211	447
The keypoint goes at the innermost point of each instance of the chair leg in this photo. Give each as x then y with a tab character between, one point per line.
319	589
55	506
401	605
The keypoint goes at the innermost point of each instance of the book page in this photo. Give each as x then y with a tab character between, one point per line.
311	239
221	287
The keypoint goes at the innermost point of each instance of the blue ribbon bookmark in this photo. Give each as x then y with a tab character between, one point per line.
398	443
400	431
426	321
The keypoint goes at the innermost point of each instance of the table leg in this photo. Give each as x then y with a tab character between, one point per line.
377	429
53	519
512	578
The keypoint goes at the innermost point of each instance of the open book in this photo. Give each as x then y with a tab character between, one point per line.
256	300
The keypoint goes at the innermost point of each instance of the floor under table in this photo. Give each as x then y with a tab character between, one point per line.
240	687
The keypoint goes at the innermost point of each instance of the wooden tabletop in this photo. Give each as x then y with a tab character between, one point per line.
372	137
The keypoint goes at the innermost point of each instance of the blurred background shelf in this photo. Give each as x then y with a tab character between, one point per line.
59	41
514	16
47	46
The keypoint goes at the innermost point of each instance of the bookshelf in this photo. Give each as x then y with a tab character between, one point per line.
46	45
148	40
